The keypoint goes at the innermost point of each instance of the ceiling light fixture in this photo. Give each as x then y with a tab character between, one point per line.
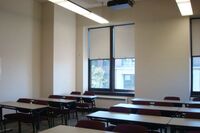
80	10
185	7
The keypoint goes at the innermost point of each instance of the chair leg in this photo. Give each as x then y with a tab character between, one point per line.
76	115
19	126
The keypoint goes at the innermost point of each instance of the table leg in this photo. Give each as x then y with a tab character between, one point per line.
1	118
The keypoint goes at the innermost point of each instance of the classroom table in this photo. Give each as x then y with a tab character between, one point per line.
35	109
69	129
159	121
152	101
54	100
189	110
83	96
184	124
149	107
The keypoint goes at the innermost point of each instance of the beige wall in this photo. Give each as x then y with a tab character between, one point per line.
37	49
47	49
162	47
64	51
20	37
58	50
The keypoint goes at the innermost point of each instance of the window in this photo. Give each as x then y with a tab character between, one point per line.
124	74
195	55
100	71
196	74
111	58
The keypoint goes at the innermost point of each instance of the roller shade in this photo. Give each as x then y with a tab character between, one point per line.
196	37
124	41
99	43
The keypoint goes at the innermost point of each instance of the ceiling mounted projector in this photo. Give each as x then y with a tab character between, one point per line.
120	4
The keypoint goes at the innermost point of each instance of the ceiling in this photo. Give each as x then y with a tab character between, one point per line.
86	3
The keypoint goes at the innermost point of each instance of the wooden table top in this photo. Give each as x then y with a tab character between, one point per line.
185	122
22	105
69	129
150	107
130	117
55	100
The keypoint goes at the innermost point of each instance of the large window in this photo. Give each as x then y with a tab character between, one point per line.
111	58
195	55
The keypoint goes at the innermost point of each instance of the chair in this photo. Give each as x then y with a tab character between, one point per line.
192	115
91	124
88	100
44	115
56	96
193	105
129	128
141	102
22	115
75	93
163	104
70	108
196	99
120	110
87	104
172	98
149	112
193	132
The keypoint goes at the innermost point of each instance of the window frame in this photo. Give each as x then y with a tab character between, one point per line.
111	90
193	93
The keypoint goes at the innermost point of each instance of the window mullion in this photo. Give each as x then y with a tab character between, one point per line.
112	61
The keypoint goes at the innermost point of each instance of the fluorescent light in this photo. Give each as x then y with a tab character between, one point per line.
185	7
80	10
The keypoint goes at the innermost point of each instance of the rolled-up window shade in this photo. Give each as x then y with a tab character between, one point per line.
99	43
196	37
124	41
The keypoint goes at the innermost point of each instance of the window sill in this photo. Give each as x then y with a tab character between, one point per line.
129	94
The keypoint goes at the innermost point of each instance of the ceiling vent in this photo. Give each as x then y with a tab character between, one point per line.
120	4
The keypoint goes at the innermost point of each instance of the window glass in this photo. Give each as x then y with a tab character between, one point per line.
196	74
100	73
125	74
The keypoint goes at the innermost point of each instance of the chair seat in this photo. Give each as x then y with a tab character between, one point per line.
84	105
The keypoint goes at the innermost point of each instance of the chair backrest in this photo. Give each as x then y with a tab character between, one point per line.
129	128
141	102
163	104
192	115
56	96
76	93
193	105
91	124
149	112
70	98
172	98
24	100
40	102
196	99
193	131
90	93
120	110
